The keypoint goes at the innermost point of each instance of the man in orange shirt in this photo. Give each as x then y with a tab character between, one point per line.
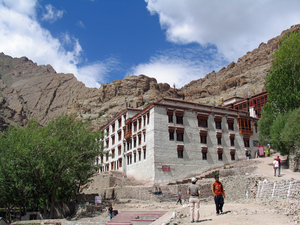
219	194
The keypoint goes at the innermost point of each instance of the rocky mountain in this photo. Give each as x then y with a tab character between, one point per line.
31	91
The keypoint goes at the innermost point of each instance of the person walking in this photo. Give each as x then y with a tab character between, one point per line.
275	166
194	193
179	197
279	165
111	212
219	195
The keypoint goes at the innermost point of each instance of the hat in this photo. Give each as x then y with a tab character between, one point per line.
193	180
217	176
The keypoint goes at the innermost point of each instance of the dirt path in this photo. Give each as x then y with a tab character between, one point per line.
250	211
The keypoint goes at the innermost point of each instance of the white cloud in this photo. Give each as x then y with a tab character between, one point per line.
80	24
52	14
180	66
234	26
22	35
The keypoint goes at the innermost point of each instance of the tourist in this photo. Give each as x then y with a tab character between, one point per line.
111	212
156	191
275	166
194	192
279	165
179	197
159	191
219	195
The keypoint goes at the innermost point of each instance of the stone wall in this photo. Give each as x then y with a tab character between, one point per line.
278	189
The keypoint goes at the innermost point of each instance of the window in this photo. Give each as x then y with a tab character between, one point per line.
171	134
144	119
230	124
119	150
219	138
240	106
170	116
180	151
220	155
232	155
179	117
113	153
140	155
148	118
134	157
180	134
218	121
134	142
120	122
231	140
135	125
144	153
246	142
245	105
102	159
119	135
120	162
113	127
204	153
202	121
203	137
113	140
107	143
236	107
140	123
140	140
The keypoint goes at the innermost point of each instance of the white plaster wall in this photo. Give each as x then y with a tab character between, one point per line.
191	163
144	169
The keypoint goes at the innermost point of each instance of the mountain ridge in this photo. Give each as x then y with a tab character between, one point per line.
31	91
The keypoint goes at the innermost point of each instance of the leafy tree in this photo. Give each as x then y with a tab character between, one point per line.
283	87
283	79
290	135
48	163
275	133
264	125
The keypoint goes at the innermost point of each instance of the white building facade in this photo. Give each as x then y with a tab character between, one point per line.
174	139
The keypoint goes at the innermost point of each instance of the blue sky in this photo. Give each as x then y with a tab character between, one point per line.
174	41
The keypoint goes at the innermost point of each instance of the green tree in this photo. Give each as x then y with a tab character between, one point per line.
275	133
283	79
57	158
290	135
264	125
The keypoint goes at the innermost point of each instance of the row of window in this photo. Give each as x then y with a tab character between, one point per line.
136	141
118	163
202	120
203	137
136	124
204	154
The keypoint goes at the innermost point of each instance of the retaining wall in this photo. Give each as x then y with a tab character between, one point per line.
279	189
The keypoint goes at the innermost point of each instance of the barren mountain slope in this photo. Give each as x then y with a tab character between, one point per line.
28	90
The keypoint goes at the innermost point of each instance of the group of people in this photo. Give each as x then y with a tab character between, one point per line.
194	201
277	166
157	191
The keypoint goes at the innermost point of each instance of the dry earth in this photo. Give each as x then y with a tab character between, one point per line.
246	211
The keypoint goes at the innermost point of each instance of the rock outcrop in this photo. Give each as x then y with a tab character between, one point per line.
31	91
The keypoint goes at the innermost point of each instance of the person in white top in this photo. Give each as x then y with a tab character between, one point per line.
275	166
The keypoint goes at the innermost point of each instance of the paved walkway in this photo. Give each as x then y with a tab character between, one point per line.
266	168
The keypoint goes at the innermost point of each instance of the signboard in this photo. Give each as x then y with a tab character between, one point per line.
261	150
255	143
166	168
98	199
